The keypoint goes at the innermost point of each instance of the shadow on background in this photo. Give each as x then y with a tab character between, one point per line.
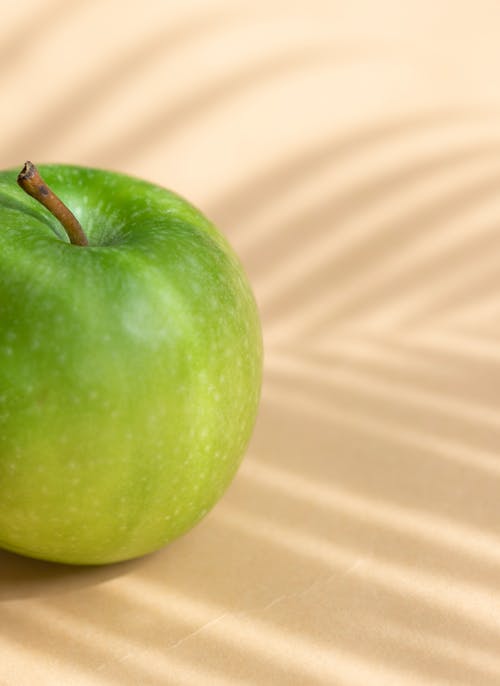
335	263
284	175
79	104
163	123
33	28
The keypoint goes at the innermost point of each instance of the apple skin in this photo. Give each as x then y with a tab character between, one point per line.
130	370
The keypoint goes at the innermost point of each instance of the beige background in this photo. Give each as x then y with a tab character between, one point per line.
351	153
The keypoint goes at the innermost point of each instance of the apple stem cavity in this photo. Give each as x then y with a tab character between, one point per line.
32	183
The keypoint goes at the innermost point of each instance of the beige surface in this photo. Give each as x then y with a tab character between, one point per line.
350	152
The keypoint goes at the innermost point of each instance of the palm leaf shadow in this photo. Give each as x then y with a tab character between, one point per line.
163	123
32	28
379	244
283	175
76	106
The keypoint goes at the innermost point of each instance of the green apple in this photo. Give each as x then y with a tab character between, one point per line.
130	368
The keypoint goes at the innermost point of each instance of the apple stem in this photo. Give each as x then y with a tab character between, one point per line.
32	183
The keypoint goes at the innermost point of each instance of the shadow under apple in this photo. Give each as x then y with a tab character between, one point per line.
22	577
